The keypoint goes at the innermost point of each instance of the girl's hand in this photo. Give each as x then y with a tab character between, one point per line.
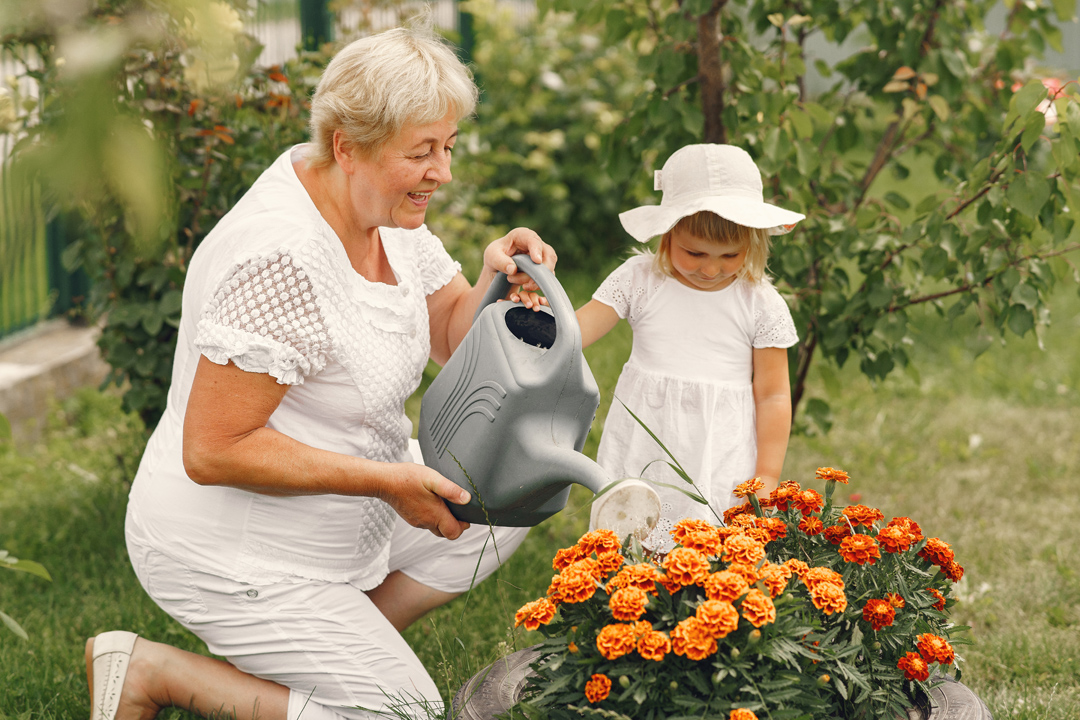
528	299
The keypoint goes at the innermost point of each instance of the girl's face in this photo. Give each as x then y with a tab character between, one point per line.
703	264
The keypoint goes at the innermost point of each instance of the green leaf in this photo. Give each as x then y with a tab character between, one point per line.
1020	320
934	260
1025	100
13	626
801	122
1033	128
897	200
940	106
1065	9
1026	295
1028	193
171	302
31	567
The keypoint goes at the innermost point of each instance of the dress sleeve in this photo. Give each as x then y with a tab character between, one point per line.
265	317
436	266
625	288
773	326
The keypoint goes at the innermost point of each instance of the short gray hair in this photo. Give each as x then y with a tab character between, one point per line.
377	85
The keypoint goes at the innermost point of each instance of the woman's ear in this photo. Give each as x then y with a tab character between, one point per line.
343	154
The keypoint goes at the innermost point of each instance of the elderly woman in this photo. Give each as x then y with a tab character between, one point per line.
276	513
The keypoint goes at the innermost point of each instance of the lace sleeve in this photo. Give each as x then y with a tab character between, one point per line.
626	287
773	326
436	266
265	318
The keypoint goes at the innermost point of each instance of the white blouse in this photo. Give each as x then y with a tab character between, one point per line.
272	289
689	379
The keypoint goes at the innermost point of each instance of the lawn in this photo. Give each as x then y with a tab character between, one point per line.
981	451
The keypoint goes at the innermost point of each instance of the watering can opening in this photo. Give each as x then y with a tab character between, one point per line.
532	328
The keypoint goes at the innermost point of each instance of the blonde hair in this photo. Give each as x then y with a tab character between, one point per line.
713	228
377	85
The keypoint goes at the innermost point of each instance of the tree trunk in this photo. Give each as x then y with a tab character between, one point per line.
711	73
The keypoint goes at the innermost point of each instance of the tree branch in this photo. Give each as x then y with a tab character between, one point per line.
711	73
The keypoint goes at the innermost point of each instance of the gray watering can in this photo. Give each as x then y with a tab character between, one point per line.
508	415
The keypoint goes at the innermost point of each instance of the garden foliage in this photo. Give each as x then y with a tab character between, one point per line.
933	165
792	607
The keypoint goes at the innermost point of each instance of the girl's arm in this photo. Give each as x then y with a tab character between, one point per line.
596	320
772	402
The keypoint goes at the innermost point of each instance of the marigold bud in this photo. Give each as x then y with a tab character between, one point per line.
823	680
674	686
624	681
735	651
754	637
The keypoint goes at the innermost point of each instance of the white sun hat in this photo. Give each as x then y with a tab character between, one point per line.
722	179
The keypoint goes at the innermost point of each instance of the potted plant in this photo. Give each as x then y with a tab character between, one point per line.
788	607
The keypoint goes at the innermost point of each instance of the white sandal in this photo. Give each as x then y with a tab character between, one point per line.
112	653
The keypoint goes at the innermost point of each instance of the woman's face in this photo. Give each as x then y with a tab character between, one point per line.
702	264
395	187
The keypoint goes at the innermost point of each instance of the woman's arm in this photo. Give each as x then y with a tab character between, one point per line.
451	308
226	442
596	320
772	402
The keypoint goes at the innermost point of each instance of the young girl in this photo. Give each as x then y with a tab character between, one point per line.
708	371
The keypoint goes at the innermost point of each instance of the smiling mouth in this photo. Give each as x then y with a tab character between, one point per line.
421	195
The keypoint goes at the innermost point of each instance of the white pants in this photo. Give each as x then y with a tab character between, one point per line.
326	642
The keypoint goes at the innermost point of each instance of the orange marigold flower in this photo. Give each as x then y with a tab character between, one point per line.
937	551
669	584
935	649
862	515
642	575
895	600
597	688
828	597
742	714
817	575
616	640
576	583
954	571
811	525
775	577
797	566
653	645
914	667
692	639
894	539
725	585
743	549
828	473
572	647
726	531
939	599
836	533
744	522
599	541
910	526
776	527
749	573
719	617
733	512
807	501
640	628
879	613
565	557
534	614
861	549
781	496
608	563
628	603
758	534
689	525
758	608
748	488
706	542
686	566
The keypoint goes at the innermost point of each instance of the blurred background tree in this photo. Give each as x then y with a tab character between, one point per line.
934	166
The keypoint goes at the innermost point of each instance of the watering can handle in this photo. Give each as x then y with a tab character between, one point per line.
566	324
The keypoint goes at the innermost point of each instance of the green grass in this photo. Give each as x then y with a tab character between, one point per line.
982	451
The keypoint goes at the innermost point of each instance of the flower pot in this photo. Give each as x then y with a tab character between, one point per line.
496	688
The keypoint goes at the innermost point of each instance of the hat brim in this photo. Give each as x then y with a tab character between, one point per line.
646	222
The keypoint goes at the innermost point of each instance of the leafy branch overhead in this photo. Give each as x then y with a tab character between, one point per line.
936	166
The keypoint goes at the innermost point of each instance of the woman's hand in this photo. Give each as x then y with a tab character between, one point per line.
498	256
419	495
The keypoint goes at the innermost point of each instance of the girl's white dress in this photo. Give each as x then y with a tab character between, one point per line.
689	379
